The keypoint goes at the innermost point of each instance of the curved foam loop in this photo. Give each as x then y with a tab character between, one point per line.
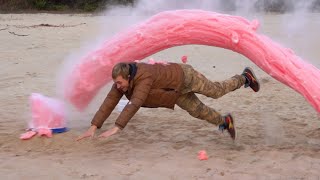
47	114
181	27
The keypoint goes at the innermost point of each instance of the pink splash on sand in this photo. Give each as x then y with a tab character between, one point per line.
202	155
181	27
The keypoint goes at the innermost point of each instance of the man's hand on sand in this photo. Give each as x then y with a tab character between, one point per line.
109	132
89	133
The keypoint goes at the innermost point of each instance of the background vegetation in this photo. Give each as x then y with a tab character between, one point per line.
59	5
279	6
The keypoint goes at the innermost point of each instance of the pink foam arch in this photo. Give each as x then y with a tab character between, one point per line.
184	27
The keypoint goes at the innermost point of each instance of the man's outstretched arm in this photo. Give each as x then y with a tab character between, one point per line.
104	112
140	94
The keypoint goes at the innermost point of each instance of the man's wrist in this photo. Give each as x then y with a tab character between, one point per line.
118	125
93	126
116	128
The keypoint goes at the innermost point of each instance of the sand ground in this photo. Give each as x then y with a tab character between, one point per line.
278	131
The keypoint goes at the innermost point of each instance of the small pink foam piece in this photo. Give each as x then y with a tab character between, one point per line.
182	27
47	113
254	24
202	155
184	59
27	135
152	61
45	132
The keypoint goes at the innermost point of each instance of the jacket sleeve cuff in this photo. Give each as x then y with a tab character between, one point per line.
119	125
96	124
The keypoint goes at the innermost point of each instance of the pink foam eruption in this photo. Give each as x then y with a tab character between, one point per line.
41	107
47	114
182	27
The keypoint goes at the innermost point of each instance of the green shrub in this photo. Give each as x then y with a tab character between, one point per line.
89	7
58	7
40	4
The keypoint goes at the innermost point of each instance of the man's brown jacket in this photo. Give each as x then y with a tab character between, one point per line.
151	86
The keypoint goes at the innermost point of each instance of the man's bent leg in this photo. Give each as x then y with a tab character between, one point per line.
200	84
191	103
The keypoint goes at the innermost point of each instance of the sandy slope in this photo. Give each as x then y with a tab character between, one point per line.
278	131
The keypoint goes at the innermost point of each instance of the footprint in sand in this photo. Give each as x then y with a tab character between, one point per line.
264	80
31	74
9	81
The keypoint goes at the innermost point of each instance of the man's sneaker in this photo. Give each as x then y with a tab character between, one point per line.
251	79
229	126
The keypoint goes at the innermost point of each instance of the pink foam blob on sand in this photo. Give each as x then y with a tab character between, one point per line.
28	135
44	132
181	27
202	155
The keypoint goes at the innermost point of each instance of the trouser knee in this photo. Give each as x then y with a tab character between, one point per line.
204	112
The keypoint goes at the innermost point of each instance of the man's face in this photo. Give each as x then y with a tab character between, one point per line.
121	83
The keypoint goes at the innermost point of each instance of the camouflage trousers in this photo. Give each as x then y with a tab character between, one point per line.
195	82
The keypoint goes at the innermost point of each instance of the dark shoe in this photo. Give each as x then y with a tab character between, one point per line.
229	126
251	79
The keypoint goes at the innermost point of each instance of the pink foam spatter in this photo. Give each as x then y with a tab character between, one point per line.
184	59
182	27
152	61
